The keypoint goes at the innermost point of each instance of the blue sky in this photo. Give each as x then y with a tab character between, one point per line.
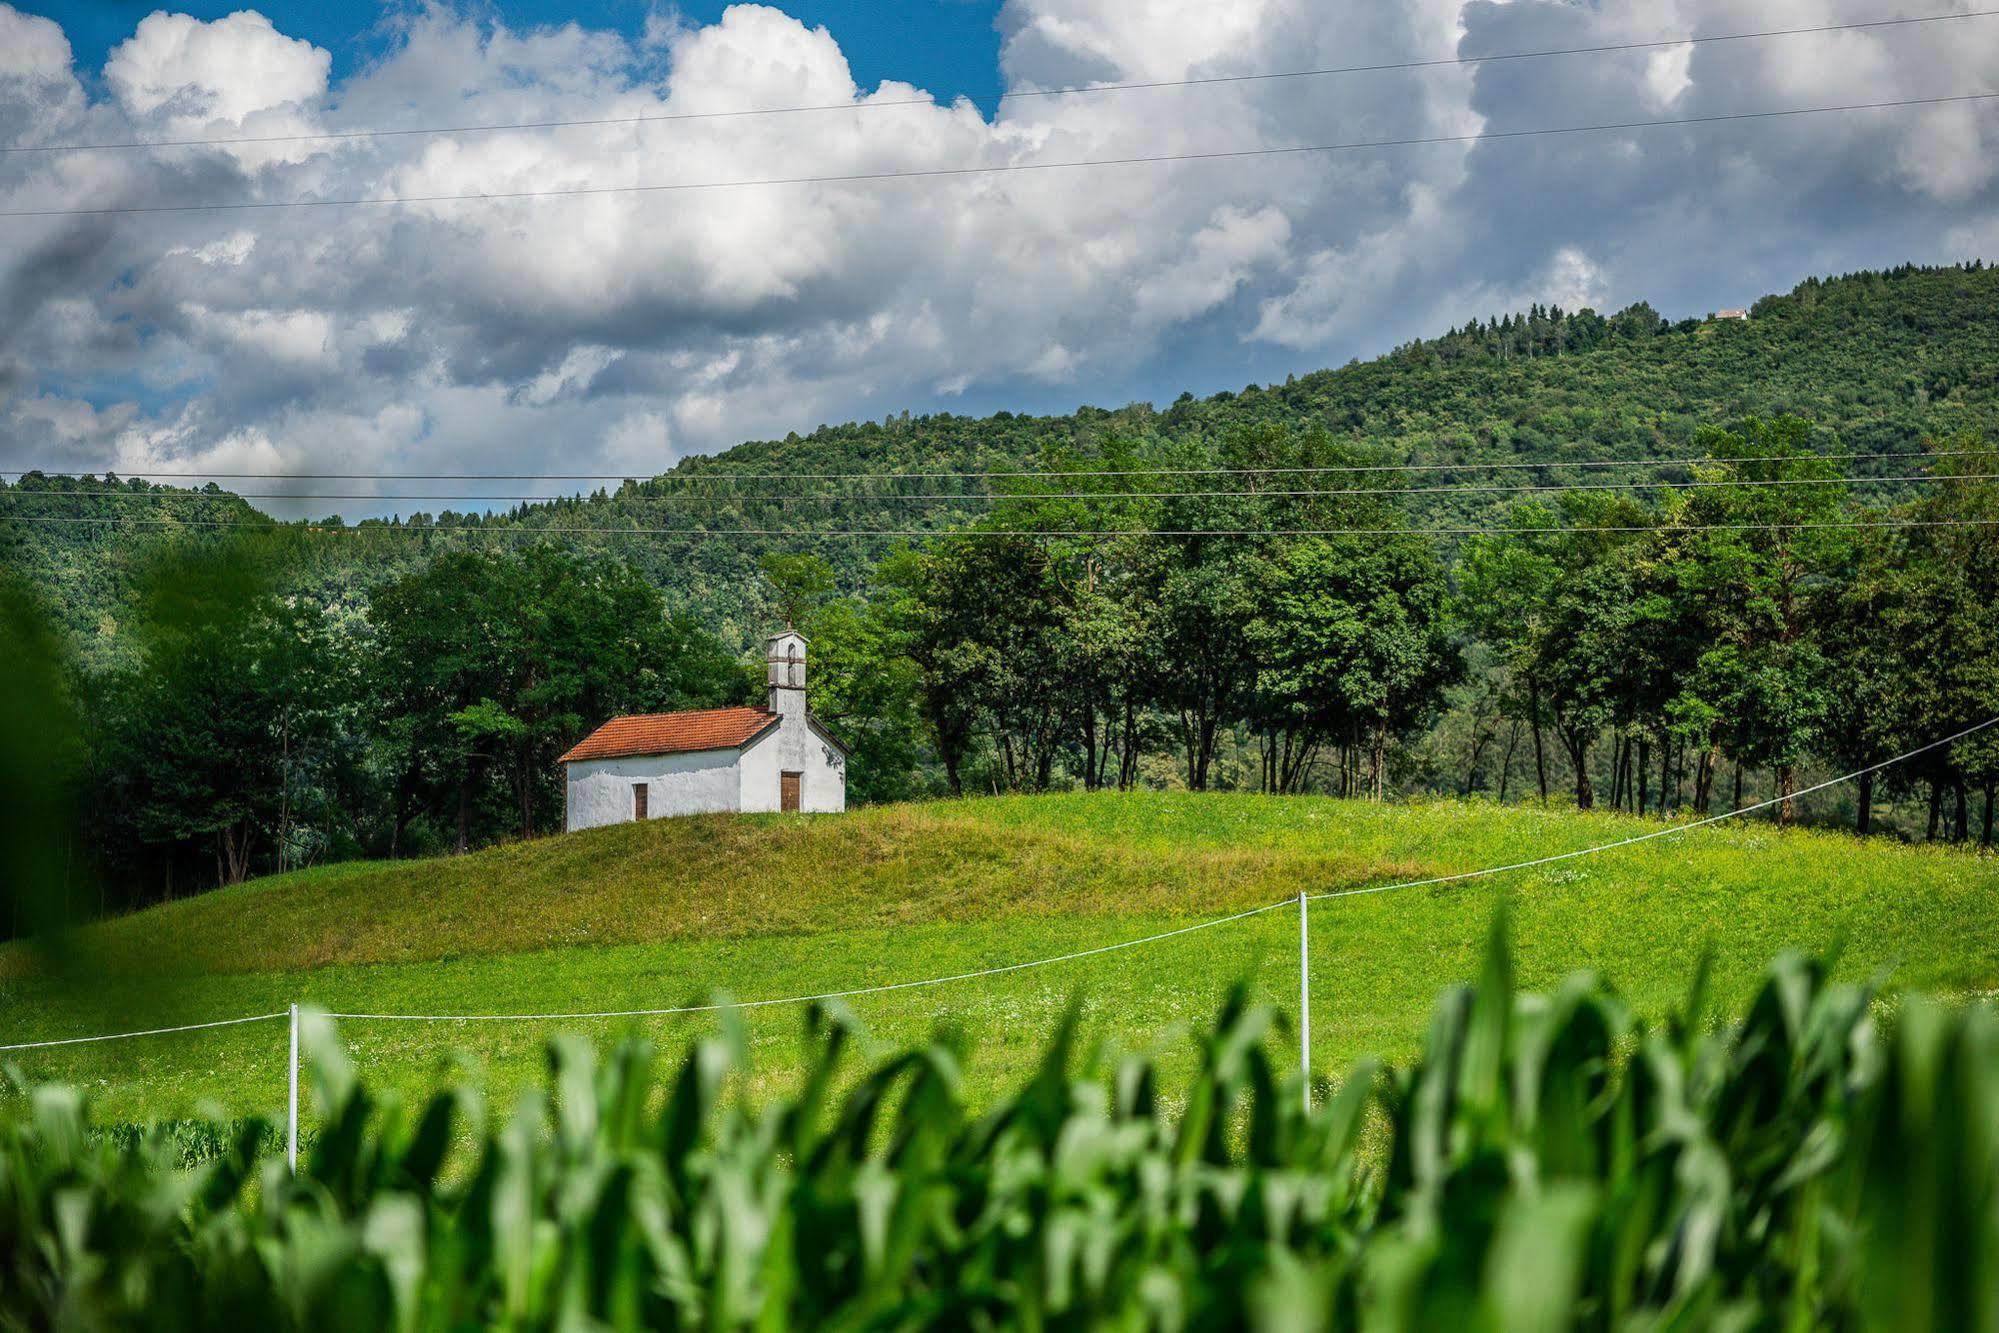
623	331
952	47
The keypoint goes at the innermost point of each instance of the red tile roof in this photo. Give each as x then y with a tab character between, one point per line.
672	733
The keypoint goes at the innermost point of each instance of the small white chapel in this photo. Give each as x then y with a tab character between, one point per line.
651	765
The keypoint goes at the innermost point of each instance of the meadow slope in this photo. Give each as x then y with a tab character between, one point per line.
757	907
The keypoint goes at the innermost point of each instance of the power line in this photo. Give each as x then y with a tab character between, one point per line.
1448	61
994	497
699	475
1659	833
1003	168
334	136
364	528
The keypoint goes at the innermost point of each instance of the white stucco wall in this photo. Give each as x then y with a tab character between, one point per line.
708	781
793	745
600	790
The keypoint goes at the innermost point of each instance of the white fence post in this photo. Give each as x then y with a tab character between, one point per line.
1305	999
291	1102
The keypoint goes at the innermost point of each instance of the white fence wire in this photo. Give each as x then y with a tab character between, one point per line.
1303	900
144	1032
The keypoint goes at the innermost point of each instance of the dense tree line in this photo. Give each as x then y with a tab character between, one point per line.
1751	624
1103	626
245	730
233	703
1043	657
1758	620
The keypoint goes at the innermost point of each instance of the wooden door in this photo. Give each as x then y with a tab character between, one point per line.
638	800
787	790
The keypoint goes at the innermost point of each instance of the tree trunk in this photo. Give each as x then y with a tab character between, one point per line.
1377	762
1617	744
1110	743
405	808
1089	747
1506	765
1704	781
1578	748
1480	739
232	853
1128	756
1985	837
1963	829
285	786
1301	770
1200	732
1738	787
1787	783
1644	771
1863	818
1540	759
951	741
1936	809
464	815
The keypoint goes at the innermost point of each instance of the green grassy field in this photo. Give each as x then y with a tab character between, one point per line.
757	907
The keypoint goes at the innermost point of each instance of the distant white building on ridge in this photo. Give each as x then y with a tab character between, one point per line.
651	765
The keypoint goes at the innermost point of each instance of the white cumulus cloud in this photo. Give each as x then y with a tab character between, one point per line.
615	331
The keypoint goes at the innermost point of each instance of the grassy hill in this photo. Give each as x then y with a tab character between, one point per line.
673	912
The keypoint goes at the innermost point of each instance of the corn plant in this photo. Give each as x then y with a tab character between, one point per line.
1551	1161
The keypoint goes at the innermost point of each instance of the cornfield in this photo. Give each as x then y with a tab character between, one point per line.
1549	1162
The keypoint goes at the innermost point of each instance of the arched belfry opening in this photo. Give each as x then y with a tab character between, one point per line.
784	659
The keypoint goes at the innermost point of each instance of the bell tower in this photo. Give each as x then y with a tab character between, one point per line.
784	659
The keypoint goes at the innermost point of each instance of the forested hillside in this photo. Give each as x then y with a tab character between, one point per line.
1877	362
1241	592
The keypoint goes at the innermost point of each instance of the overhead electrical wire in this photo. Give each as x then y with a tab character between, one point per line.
986	169
1023	94
1785	799
276	526
699	475
1442	62
997	497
